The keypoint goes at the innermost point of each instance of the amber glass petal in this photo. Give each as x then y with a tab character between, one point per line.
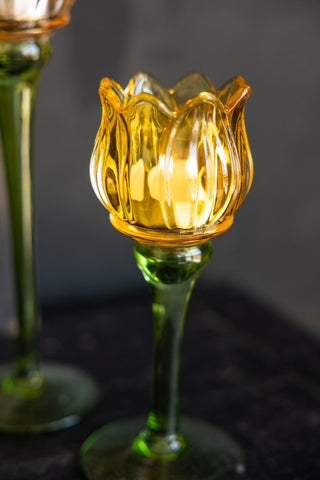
146	119
108	161
197	173
189	87
111	92
233	92
234	95
145	83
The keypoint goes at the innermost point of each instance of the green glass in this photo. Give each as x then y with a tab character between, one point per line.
163	448
32	399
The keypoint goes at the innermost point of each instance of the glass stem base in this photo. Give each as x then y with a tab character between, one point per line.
54	398
164	448
208	454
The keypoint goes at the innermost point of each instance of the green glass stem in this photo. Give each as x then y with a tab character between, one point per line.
160	450
20	66
171	273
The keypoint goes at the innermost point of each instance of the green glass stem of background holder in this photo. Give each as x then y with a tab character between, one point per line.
163	449
32	399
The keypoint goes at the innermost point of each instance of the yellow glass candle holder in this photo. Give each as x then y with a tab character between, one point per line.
172	167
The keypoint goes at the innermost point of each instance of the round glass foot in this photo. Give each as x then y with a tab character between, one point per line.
56	398
209	454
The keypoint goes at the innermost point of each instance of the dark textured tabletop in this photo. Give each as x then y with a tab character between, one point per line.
244	369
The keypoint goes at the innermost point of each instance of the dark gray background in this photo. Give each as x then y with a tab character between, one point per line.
272	250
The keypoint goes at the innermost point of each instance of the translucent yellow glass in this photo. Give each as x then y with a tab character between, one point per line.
172	166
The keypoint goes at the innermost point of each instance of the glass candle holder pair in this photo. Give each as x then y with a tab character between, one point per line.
33	398
172	167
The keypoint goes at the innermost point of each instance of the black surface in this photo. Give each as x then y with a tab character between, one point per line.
244	369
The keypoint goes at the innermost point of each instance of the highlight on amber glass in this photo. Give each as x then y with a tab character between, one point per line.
22	18
172	166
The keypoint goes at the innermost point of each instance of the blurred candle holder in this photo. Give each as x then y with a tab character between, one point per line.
171	166
32	399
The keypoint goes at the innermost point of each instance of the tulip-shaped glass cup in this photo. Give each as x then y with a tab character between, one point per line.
171	166
32	399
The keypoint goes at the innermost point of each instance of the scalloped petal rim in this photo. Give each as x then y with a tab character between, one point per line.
123	98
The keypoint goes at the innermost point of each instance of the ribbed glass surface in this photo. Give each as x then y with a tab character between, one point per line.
173	160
